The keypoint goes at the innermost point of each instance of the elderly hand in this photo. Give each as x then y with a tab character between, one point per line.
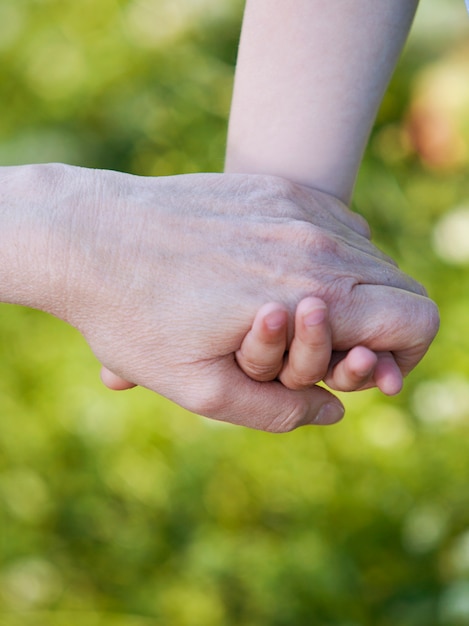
163	277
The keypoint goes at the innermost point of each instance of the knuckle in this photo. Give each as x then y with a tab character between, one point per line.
362	225
319	241
306	382
261	372
310	240
299	381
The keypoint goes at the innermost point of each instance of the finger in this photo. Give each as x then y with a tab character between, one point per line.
114	382
363	369
352	371
374	268
387	375
262	352
386	319
310	351
234	397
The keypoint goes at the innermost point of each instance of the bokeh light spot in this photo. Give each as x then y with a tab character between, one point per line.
451	236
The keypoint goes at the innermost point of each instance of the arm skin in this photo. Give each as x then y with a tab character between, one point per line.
309	80
163	277
296	62
310	77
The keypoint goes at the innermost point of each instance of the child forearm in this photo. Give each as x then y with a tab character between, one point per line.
310	77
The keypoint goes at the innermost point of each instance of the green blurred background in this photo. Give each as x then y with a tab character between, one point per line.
124	510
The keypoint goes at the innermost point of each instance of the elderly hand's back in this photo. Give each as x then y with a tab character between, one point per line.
163	276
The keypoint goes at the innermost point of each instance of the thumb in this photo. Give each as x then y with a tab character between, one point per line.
268	406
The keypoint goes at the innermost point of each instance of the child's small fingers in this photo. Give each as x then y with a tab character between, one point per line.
354	371
310	351
114	382
262	352
388	377
363	369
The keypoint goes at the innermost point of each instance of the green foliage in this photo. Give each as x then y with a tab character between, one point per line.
124	510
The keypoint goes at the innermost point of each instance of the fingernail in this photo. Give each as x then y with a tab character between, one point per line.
275	320
315	317
329	413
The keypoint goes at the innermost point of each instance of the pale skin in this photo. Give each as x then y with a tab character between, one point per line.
163	277
309	358
262	354
309	79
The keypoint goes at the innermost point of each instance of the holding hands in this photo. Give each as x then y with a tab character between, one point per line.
235	241
310	359
263	354
234	294
164	277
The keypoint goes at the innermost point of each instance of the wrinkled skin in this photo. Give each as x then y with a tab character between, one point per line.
163	276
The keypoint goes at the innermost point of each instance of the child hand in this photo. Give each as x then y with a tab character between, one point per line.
310	358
